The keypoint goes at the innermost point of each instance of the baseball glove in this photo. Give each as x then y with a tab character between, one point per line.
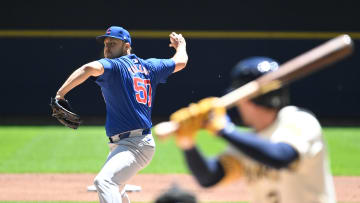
62	111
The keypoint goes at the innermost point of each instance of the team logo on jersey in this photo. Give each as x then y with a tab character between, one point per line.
135	61
255	172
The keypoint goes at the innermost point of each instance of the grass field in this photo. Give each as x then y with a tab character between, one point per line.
51	149
61	150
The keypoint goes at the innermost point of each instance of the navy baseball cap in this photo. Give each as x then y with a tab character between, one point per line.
115	32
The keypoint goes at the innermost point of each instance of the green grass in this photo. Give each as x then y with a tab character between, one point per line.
344	150
169	159
51	149
61	150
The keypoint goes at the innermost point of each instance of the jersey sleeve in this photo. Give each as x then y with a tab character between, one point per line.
231	150
160	69
109	66
303	132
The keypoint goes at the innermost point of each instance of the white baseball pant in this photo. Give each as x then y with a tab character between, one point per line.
125	159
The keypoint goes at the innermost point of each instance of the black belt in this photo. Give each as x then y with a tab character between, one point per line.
127	134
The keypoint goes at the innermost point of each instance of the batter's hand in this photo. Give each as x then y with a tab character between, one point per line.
203	114
176	40
216	118
189	122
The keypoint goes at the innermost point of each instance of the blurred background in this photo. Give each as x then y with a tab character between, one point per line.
43	42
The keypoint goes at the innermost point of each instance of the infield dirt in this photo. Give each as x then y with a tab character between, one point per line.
73	187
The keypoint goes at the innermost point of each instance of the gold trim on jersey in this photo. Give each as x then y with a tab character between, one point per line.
233	169
164	34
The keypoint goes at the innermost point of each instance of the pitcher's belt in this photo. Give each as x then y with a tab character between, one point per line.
137	132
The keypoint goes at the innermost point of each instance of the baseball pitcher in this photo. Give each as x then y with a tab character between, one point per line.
284	158
128	84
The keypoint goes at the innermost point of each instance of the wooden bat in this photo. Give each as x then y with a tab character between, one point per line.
300	66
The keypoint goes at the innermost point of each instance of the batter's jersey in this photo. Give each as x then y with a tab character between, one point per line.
128	85
308	179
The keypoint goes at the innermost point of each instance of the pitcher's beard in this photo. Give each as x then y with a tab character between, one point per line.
110	56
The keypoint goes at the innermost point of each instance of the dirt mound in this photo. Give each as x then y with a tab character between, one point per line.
73	187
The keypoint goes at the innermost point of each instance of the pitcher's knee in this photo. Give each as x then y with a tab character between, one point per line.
100	181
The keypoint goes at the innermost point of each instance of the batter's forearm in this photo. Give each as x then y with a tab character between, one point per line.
207	172
276	155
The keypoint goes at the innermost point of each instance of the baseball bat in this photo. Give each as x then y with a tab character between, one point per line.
298	67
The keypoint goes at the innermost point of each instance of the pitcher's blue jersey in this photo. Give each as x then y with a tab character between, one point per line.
128	85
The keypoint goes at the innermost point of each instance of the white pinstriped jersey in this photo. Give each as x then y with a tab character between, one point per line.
306	180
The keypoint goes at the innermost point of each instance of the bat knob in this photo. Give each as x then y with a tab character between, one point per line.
165	129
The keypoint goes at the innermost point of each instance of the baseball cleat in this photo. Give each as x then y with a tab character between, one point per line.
127	188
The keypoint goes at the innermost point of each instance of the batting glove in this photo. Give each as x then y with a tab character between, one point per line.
189	122
203	114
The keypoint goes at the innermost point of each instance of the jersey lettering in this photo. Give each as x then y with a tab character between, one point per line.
138	69
143	90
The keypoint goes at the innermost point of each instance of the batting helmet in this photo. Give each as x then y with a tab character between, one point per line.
176	195
250	69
